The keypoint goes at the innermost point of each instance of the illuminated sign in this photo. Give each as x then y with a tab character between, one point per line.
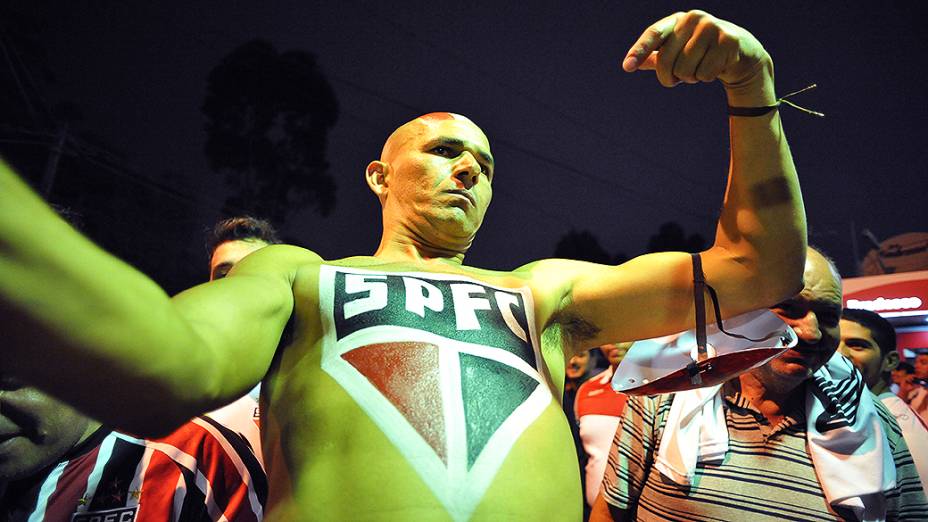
891	295
881	304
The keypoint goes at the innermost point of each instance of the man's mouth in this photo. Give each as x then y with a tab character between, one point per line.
466	193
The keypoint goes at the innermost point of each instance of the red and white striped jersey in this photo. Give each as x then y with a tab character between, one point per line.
202	471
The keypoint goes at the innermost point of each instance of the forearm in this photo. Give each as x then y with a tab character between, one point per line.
85	326
762	225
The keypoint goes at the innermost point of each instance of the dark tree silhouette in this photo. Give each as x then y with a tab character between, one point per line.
581	245
670	237
268	118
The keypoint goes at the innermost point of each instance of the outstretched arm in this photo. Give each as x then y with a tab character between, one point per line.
759	250
97	333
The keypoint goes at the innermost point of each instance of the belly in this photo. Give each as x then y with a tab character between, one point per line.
400	431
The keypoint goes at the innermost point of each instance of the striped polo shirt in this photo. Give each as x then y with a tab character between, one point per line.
767	473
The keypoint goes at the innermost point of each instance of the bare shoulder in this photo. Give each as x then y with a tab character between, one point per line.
280	267
278	257
262	280
552	277
561	276
596	303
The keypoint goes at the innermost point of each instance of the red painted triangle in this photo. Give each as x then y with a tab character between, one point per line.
407	374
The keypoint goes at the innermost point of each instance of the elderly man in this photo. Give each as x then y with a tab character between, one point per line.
795	438
869	341
413	387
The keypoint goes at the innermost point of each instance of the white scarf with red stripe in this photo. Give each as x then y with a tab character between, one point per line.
847	444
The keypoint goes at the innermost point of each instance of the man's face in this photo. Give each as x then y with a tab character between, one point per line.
35	430
858	345
899	376
921	366
440	180
615	352
229	253
906	385
814	315
576	366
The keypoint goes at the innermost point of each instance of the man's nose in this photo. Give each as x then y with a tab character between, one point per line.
807	328
467	170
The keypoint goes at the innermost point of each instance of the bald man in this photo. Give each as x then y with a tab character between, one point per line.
760	450
414	387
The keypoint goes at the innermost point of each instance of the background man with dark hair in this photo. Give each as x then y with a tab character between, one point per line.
921	365
413	387
231	239
227	243
901	376
869	341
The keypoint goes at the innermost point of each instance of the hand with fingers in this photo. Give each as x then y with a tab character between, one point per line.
698	47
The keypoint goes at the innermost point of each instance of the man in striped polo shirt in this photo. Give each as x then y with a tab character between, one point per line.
57	465
767	469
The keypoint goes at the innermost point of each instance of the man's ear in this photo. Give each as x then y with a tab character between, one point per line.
377	174
378	178
890	361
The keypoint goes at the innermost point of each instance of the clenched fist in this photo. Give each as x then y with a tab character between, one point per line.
698	47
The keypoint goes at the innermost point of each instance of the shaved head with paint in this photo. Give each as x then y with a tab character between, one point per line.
434	181
402	385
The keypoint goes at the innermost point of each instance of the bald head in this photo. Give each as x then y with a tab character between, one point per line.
813	314
815	258
433	181
417	127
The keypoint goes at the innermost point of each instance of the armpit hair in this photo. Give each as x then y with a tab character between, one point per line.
575	330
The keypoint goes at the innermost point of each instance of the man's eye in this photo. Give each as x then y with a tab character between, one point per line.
857	344
441	150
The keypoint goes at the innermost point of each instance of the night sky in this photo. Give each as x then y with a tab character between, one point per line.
578	143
